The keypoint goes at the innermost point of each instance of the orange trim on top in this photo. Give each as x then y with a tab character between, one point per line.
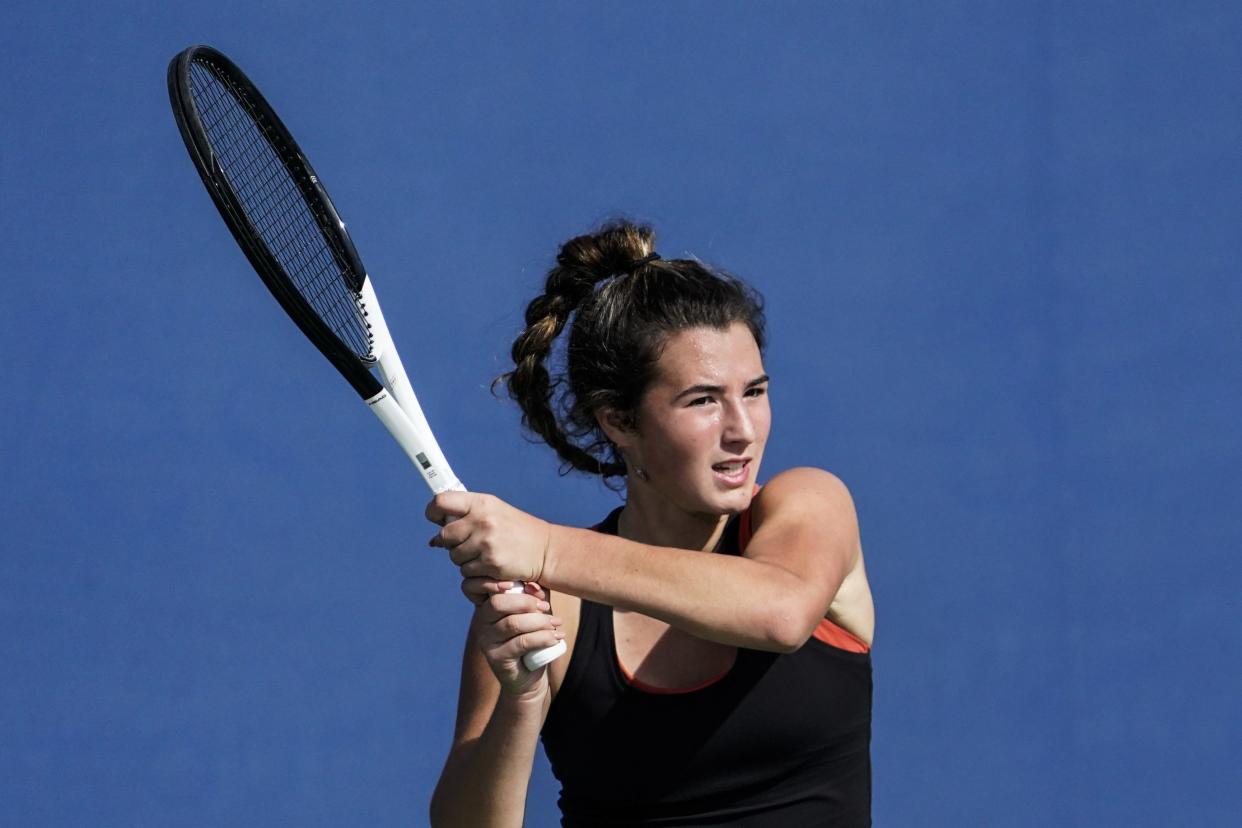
839	637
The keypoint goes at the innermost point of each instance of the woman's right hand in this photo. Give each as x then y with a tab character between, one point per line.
510	625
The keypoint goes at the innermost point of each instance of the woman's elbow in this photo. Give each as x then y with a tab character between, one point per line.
787	632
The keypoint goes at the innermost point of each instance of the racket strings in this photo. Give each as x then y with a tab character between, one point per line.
275	206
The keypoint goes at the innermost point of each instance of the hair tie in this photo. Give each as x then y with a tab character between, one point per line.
640	263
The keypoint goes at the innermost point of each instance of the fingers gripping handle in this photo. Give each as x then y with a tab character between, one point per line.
539	658
421	447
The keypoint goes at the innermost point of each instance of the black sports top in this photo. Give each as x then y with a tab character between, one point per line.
780	740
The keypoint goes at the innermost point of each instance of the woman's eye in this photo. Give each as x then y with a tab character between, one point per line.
700	400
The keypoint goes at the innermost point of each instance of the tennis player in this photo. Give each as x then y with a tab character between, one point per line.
718	670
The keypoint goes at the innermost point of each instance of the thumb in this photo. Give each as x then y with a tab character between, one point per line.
447	506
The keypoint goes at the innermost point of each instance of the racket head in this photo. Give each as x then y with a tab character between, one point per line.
275	206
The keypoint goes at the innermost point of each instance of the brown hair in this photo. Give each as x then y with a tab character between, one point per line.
625	304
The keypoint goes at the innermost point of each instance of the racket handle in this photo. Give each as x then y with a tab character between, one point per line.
421	447
539	658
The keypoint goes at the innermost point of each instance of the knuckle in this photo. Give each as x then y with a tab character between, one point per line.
534	640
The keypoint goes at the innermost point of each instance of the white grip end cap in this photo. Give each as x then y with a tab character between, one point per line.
541	658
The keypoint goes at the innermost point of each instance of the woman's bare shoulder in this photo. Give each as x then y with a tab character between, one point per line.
804	489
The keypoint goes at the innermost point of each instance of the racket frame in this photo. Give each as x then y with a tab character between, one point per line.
215	179
393	400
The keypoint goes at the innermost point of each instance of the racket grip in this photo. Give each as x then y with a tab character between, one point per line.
539	658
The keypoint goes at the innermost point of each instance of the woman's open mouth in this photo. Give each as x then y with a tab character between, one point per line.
732	473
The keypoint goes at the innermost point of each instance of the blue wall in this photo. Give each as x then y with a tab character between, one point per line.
999	245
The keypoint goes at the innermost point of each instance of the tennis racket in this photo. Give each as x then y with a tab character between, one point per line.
281	216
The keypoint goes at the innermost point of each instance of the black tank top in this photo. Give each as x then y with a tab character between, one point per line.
781	740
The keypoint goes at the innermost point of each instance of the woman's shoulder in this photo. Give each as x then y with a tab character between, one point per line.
803	499
803	487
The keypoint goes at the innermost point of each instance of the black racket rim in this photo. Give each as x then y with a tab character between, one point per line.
193	133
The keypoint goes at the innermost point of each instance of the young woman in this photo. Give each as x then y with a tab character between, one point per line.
718	670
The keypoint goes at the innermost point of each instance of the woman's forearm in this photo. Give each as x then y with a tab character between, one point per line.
725	598
485	780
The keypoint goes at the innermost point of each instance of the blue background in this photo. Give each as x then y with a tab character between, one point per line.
1000	247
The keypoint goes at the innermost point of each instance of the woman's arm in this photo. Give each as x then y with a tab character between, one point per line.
487	773
804	544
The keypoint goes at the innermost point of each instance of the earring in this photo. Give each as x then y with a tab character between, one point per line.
641	473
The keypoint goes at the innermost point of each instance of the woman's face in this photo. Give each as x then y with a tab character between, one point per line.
703	423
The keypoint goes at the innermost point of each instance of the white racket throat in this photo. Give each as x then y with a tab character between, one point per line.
418	443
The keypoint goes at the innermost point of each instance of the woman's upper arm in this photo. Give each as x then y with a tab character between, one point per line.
803	521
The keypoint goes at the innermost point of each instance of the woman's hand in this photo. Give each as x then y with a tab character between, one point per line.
510	625
487	537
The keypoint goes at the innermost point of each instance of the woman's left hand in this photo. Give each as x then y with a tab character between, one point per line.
488	538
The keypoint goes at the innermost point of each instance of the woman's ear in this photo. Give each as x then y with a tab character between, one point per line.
614	427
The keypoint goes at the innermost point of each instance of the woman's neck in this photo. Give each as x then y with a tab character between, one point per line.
651	519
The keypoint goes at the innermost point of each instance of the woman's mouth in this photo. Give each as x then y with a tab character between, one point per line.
732	473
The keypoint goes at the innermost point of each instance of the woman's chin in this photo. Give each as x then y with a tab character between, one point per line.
733	501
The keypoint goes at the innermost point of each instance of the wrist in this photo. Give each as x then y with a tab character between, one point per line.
551	556
526	703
